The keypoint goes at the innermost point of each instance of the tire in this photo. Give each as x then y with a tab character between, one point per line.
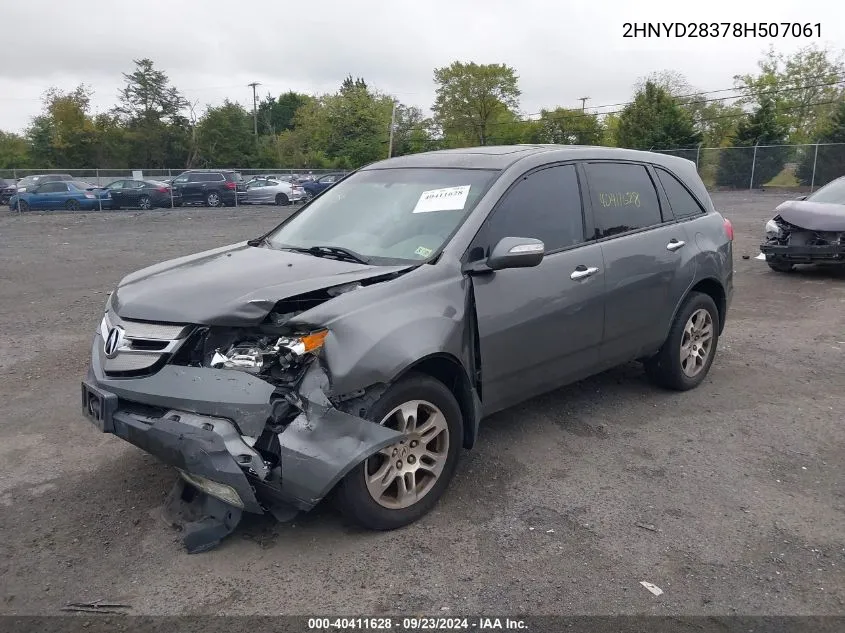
144	203
353	493
212	199
666	368
780	267
282	200
72	205
22	206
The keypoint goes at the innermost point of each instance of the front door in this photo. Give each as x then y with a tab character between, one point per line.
539	328
648	257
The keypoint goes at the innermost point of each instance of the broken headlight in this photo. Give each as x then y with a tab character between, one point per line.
262	353
773	229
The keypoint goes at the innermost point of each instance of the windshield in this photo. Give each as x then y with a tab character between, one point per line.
832	192
387	214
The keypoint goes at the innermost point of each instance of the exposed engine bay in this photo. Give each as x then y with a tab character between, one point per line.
796	244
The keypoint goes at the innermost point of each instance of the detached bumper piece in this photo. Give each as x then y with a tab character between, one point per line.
223	474
805	254
203	519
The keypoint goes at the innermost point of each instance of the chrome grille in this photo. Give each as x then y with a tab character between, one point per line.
144	344
130	362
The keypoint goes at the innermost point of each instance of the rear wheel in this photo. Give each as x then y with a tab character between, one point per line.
72	205
688	352
213	199
144	203
282	200
403	482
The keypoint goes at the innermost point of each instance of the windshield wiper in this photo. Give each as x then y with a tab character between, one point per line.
335	251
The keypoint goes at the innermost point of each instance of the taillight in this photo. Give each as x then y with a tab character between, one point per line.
729	230
231	186
163	189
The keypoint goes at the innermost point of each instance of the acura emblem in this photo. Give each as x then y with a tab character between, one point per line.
114	341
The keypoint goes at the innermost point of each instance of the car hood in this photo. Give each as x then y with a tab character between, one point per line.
236	285
814	216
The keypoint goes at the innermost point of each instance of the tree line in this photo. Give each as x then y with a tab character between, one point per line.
791	99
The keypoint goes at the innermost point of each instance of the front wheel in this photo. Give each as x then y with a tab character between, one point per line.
22	206
779	266
402	482
688	352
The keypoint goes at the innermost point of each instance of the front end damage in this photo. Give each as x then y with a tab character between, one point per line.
802	234
246	414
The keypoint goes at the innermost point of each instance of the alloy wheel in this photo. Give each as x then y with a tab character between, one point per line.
697	342
399	475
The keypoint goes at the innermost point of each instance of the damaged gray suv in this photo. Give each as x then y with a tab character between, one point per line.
352	350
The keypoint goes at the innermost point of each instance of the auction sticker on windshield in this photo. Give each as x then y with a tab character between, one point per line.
448	199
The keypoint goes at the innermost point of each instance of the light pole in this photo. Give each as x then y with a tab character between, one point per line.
254	85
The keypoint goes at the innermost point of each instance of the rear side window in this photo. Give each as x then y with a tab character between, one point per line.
683	204
623	196
545	205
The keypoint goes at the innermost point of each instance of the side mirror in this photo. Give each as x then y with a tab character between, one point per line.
513	252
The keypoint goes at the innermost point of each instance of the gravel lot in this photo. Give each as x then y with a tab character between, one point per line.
740	482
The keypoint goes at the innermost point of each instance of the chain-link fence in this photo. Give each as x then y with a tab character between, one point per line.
798	167
102	177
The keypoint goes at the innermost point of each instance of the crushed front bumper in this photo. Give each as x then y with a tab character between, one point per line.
804	254
205	422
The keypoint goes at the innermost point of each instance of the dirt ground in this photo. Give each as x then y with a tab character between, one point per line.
739	483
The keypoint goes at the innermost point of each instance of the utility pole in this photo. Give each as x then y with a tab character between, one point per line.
583	101
392	125
254	85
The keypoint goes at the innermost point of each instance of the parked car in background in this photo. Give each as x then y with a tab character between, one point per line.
212	187
72	195
7	190
810	230
143	194
26	183
313	187
272	191
354	349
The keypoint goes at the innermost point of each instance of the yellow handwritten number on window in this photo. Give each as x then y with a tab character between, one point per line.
619	199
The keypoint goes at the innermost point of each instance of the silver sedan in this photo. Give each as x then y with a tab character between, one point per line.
268	191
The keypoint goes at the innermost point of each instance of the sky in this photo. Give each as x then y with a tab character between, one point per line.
211	49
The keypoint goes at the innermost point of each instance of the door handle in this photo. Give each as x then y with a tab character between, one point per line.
582	272
674	244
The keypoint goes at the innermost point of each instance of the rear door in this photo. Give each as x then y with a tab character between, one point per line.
539	327
56	194
132	192
116	192
648	259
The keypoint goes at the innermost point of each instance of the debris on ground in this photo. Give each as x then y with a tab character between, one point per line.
647	526
657	591
98	606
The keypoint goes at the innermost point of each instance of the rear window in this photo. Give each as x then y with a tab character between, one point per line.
683	204
233	176
80	185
